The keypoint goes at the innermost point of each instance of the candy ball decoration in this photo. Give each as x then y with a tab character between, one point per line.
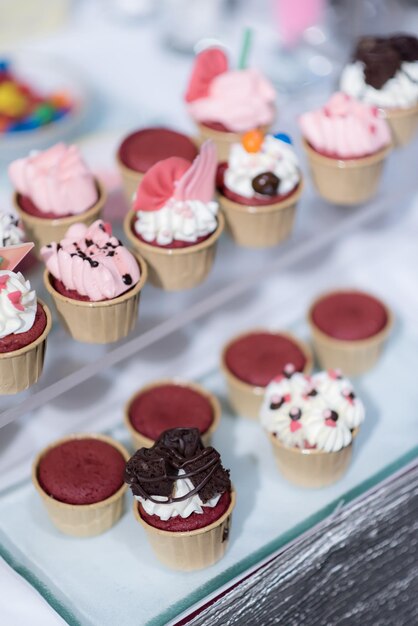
266	184
252	140
283	137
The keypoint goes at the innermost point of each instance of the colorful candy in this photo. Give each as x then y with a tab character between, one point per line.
252	140
22	108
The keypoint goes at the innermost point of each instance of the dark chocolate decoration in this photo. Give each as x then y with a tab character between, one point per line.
333	415
274	406
312	393
295	414
153	471
266	184
127	279
382	57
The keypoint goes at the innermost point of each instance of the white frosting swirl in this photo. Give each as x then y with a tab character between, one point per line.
320	410
284	407
10	232
17	304
400	91
184	508
275	156
177	220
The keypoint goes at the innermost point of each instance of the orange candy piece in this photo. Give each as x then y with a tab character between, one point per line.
253	140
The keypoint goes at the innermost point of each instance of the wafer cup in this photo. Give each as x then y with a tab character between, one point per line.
260	226
311	467
346	181
130	180
22	368
141	441
82	520
99	322
192	550
351	357
44	230
246	399
223	140
175	269
403	124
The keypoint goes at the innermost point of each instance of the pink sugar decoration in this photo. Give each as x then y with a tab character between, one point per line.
294	426
15	298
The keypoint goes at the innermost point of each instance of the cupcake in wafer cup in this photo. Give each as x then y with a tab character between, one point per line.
349	330
226	103
171	403
346	143
252	359
80	481
384	73
143	148
183	499
25	322
54	189
259	188
311	423
175	224
95	283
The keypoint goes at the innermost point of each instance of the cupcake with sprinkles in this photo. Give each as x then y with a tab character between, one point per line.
54	189
312	422
25	322
95	283
259	188
183	499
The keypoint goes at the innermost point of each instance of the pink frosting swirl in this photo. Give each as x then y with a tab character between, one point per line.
240	100
92	262
345	128
56	180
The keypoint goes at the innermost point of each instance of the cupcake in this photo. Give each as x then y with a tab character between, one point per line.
259	188
81	482
53	190
25	322
251	360
384	74
143	148
183	499
349	329
312	423
226	103
95	283
346	143
167	404
175	224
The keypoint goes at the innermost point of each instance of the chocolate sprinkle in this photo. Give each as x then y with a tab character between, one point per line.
127	279
153	471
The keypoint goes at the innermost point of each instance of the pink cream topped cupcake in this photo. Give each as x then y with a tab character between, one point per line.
53	190
311	422
95	282
175	222
226	103
346	142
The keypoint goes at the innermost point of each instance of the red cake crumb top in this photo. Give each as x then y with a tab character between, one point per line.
169	406
258	357
194	521
349	315
144	148
81	471
13	342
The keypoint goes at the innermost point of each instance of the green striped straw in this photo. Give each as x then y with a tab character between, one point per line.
245	49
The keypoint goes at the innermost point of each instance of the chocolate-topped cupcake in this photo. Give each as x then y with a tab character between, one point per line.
184	498
384	73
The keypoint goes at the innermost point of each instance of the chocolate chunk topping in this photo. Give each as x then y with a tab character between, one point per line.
274	406
295	414
382	57
266	184
312	393
333	416
127	279
153	472
89	242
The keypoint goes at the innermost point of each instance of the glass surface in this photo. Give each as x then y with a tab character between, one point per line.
82	578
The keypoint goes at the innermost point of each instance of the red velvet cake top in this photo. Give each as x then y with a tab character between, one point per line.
258	357
349	315
13	342
144	148
169	406
81	471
